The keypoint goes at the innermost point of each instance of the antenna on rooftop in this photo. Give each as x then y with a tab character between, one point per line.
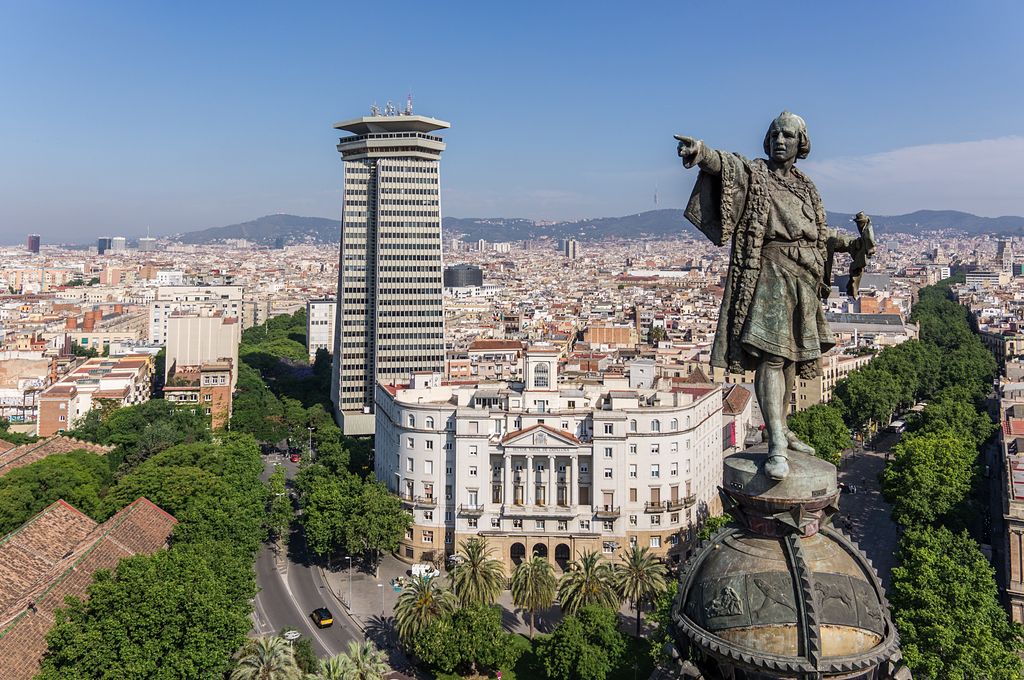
374	109
408	105
655	194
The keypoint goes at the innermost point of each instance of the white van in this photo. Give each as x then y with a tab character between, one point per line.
425	569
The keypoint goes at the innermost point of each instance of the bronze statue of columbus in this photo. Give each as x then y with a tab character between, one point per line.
771	320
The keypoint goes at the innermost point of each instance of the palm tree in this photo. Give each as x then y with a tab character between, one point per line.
367	661
640	576
477	578
533	586
421	603
266	658
588	581
338	667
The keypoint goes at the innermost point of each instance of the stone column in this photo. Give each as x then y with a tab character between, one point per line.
572	477
550	495
506	481
528	484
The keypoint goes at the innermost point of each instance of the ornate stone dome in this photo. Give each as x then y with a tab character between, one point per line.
782	594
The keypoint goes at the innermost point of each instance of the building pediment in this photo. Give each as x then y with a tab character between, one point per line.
542	436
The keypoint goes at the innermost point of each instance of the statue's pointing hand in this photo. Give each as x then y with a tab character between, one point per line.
688	149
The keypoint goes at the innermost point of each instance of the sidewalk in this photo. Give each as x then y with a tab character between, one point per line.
865	515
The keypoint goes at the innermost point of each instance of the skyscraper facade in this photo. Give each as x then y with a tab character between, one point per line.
103	244
33	243
390	319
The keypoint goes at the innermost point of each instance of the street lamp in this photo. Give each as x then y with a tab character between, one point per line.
310	442
349	558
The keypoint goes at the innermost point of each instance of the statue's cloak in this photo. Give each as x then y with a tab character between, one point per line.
735	206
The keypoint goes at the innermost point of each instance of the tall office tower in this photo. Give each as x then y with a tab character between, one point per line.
390	319
569	248
119	244
147	244
103	244
1004	255
33	243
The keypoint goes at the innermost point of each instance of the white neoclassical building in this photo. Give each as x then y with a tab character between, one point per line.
550	467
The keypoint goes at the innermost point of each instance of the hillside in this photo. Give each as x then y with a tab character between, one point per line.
667	222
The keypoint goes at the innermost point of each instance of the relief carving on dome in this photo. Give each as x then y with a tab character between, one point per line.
727	603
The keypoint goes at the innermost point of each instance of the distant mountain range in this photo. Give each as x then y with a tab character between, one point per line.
293	229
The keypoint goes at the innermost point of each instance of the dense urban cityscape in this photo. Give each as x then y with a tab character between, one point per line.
555	390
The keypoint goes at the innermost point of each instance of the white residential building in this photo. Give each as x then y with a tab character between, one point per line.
169	299
320	326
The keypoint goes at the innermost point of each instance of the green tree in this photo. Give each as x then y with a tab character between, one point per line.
867	398
822	427
953	409
478	578
420	603
946	607
266	658
533	587
473	638
80	478
588	581
364	662
661	618
639	577
712	525
16	438
587	646
376	522
929	476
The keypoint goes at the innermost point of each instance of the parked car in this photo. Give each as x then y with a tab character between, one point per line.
425	569
322	617
295	457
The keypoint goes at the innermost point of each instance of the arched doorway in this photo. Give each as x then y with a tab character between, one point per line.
517	552
562	556
541	550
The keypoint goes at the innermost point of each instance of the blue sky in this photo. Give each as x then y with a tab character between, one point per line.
116	117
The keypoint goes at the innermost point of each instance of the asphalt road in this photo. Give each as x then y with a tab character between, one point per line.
286	600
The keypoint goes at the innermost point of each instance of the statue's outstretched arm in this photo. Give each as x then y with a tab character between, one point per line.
695	152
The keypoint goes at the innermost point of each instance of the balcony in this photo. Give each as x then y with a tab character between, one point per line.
654	507
674	504
606	511
410	501
688	501
471	509
557	511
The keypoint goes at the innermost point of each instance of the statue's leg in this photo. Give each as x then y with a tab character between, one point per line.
794	442
770	386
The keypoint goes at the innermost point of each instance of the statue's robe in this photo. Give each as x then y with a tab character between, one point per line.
781	254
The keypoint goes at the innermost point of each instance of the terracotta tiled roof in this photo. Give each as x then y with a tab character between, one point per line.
54	556
483	345
735	400
1014	426
697	377
30	453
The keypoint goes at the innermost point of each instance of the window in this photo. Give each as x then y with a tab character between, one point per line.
472	522
674	518
655	541
584	525
428	536
428	467
563	524
495	523
607	473
655	426
429	423
673	447
632	495
655	471
472	471
428	515
565	425
609	428
412	420
632	520
207	397
517	523
584	469
655	449
474	427
632	471
608	547
448	516
448	537
473	449
674	425
572	404
609	525
655	520
673	469
62	418
539	524
632	426
410	443
541	376
410	465
430	445
607	452
408	534
632	448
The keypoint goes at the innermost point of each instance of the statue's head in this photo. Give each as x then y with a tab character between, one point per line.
787	138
